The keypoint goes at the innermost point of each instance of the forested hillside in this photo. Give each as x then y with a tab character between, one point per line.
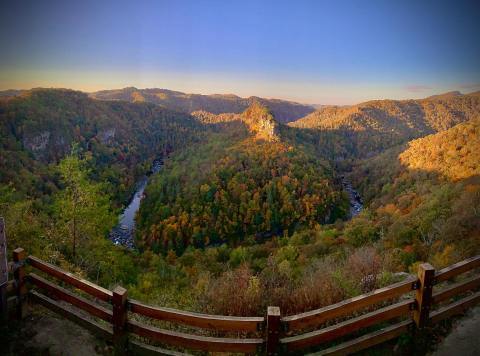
231	192
376	125
424	197
38	128
283	110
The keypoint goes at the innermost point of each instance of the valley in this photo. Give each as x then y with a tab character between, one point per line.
224	178
299	213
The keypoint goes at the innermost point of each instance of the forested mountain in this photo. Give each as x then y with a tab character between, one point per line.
39	126
424	197
373	126
236	188
283	110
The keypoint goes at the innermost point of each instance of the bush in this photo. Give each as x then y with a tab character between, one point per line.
364	266
318	287
238	256
361	231
236	292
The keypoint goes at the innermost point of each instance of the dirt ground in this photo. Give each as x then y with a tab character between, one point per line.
44	333
464	339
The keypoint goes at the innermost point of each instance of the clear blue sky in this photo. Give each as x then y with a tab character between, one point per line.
309	51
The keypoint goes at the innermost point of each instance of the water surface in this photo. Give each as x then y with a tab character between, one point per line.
124	233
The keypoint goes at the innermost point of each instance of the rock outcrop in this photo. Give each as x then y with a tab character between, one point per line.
260	121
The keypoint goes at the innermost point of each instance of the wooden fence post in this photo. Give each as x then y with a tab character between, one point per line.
119	301
19	275
426	275
273	330
3	273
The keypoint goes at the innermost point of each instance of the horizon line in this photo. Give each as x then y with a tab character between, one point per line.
237	95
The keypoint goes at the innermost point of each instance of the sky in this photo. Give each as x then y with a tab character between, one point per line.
318	52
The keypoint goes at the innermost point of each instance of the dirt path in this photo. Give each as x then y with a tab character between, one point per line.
464	339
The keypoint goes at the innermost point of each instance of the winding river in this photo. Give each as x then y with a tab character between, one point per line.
124	233
356	204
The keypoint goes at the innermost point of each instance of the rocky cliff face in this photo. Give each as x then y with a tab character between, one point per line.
260	121
38	142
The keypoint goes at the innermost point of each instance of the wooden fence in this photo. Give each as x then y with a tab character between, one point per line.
111	314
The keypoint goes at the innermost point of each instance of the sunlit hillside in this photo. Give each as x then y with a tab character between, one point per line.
424	196
376	125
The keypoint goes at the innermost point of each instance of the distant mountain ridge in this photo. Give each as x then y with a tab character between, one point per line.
284	111
10	92
434	113
386	123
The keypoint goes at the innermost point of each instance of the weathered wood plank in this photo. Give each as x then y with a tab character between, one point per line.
11	302
3	304
273	330
67	277
19	275
11	307
10	287
458	307
100	330
69	297
457	268
215	322
366	341
3	254
457	288
335	331
423	295
315	317
119	301
3	274
194	342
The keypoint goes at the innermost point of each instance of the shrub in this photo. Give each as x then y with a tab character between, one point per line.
236	292
364	267
318	287
361	231
238	256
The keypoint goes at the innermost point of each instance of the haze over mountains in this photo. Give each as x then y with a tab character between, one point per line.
283	110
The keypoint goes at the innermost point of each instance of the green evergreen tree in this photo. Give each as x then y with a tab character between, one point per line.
82	208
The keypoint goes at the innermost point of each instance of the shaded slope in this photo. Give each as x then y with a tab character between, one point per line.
39	126
284	111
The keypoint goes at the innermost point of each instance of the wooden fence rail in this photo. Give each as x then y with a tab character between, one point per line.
345	307
206	321
111	313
